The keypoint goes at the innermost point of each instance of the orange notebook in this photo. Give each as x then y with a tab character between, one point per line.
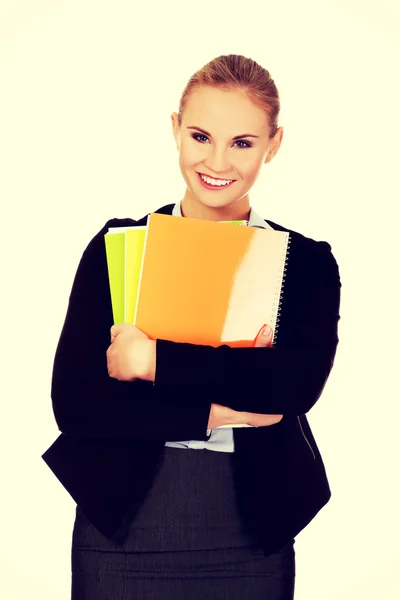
204	282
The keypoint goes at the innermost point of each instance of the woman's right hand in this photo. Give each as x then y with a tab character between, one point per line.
223	415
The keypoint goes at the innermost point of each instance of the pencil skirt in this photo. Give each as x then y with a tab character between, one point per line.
186	542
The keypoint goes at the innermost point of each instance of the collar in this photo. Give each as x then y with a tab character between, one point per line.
254	219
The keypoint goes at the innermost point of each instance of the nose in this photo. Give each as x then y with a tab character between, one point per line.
217	162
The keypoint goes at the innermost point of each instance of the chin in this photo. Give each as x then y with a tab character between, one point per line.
216	204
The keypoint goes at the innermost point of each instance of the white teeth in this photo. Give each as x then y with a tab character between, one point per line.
216	182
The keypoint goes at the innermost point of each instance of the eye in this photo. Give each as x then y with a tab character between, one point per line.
197	135
248	144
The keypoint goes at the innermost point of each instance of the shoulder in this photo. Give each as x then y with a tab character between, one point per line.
97	240
300	239
306	253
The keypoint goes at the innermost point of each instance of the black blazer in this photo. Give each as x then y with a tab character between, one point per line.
113	432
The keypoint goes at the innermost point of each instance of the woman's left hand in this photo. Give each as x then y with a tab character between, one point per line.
131	355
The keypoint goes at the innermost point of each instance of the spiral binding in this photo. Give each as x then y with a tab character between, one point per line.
276	311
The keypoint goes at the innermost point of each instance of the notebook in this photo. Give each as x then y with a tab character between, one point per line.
114	241
134	247
115	244
124	250
206	283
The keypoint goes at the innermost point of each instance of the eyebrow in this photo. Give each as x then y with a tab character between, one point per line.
234	138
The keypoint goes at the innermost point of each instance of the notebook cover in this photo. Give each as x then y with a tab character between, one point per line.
115	243
206	284
134	245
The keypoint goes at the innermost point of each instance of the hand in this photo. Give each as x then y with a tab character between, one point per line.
131	354
223	415
261	419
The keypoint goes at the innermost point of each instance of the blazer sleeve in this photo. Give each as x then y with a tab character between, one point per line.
86	401
287	378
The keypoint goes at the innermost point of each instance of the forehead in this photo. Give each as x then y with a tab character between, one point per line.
211	107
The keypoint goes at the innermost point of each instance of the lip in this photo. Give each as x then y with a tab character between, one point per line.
214	188
216	178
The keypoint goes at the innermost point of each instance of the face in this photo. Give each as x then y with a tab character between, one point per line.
205	140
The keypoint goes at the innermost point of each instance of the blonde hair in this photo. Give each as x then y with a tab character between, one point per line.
233	71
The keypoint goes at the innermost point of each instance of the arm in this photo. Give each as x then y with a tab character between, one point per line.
287	378
88	402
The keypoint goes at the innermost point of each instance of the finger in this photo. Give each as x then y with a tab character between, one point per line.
114	330
138	332
119	328
264	337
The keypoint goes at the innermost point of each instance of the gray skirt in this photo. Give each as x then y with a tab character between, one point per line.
186	542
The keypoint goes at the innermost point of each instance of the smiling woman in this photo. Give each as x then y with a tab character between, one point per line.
229	96
194	467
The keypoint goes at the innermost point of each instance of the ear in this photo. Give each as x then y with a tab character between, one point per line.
274	145
175	128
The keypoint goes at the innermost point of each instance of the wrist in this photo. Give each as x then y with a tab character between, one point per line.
152	370
150	374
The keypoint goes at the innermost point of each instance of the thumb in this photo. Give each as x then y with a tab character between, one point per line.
115	330
264	338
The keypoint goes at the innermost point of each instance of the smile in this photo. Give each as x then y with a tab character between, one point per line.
215	184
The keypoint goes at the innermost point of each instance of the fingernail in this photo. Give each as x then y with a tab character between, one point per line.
267	330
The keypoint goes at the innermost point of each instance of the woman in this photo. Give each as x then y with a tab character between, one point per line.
157	515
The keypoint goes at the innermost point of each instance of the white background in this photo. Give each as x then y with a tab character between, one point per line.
87	90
